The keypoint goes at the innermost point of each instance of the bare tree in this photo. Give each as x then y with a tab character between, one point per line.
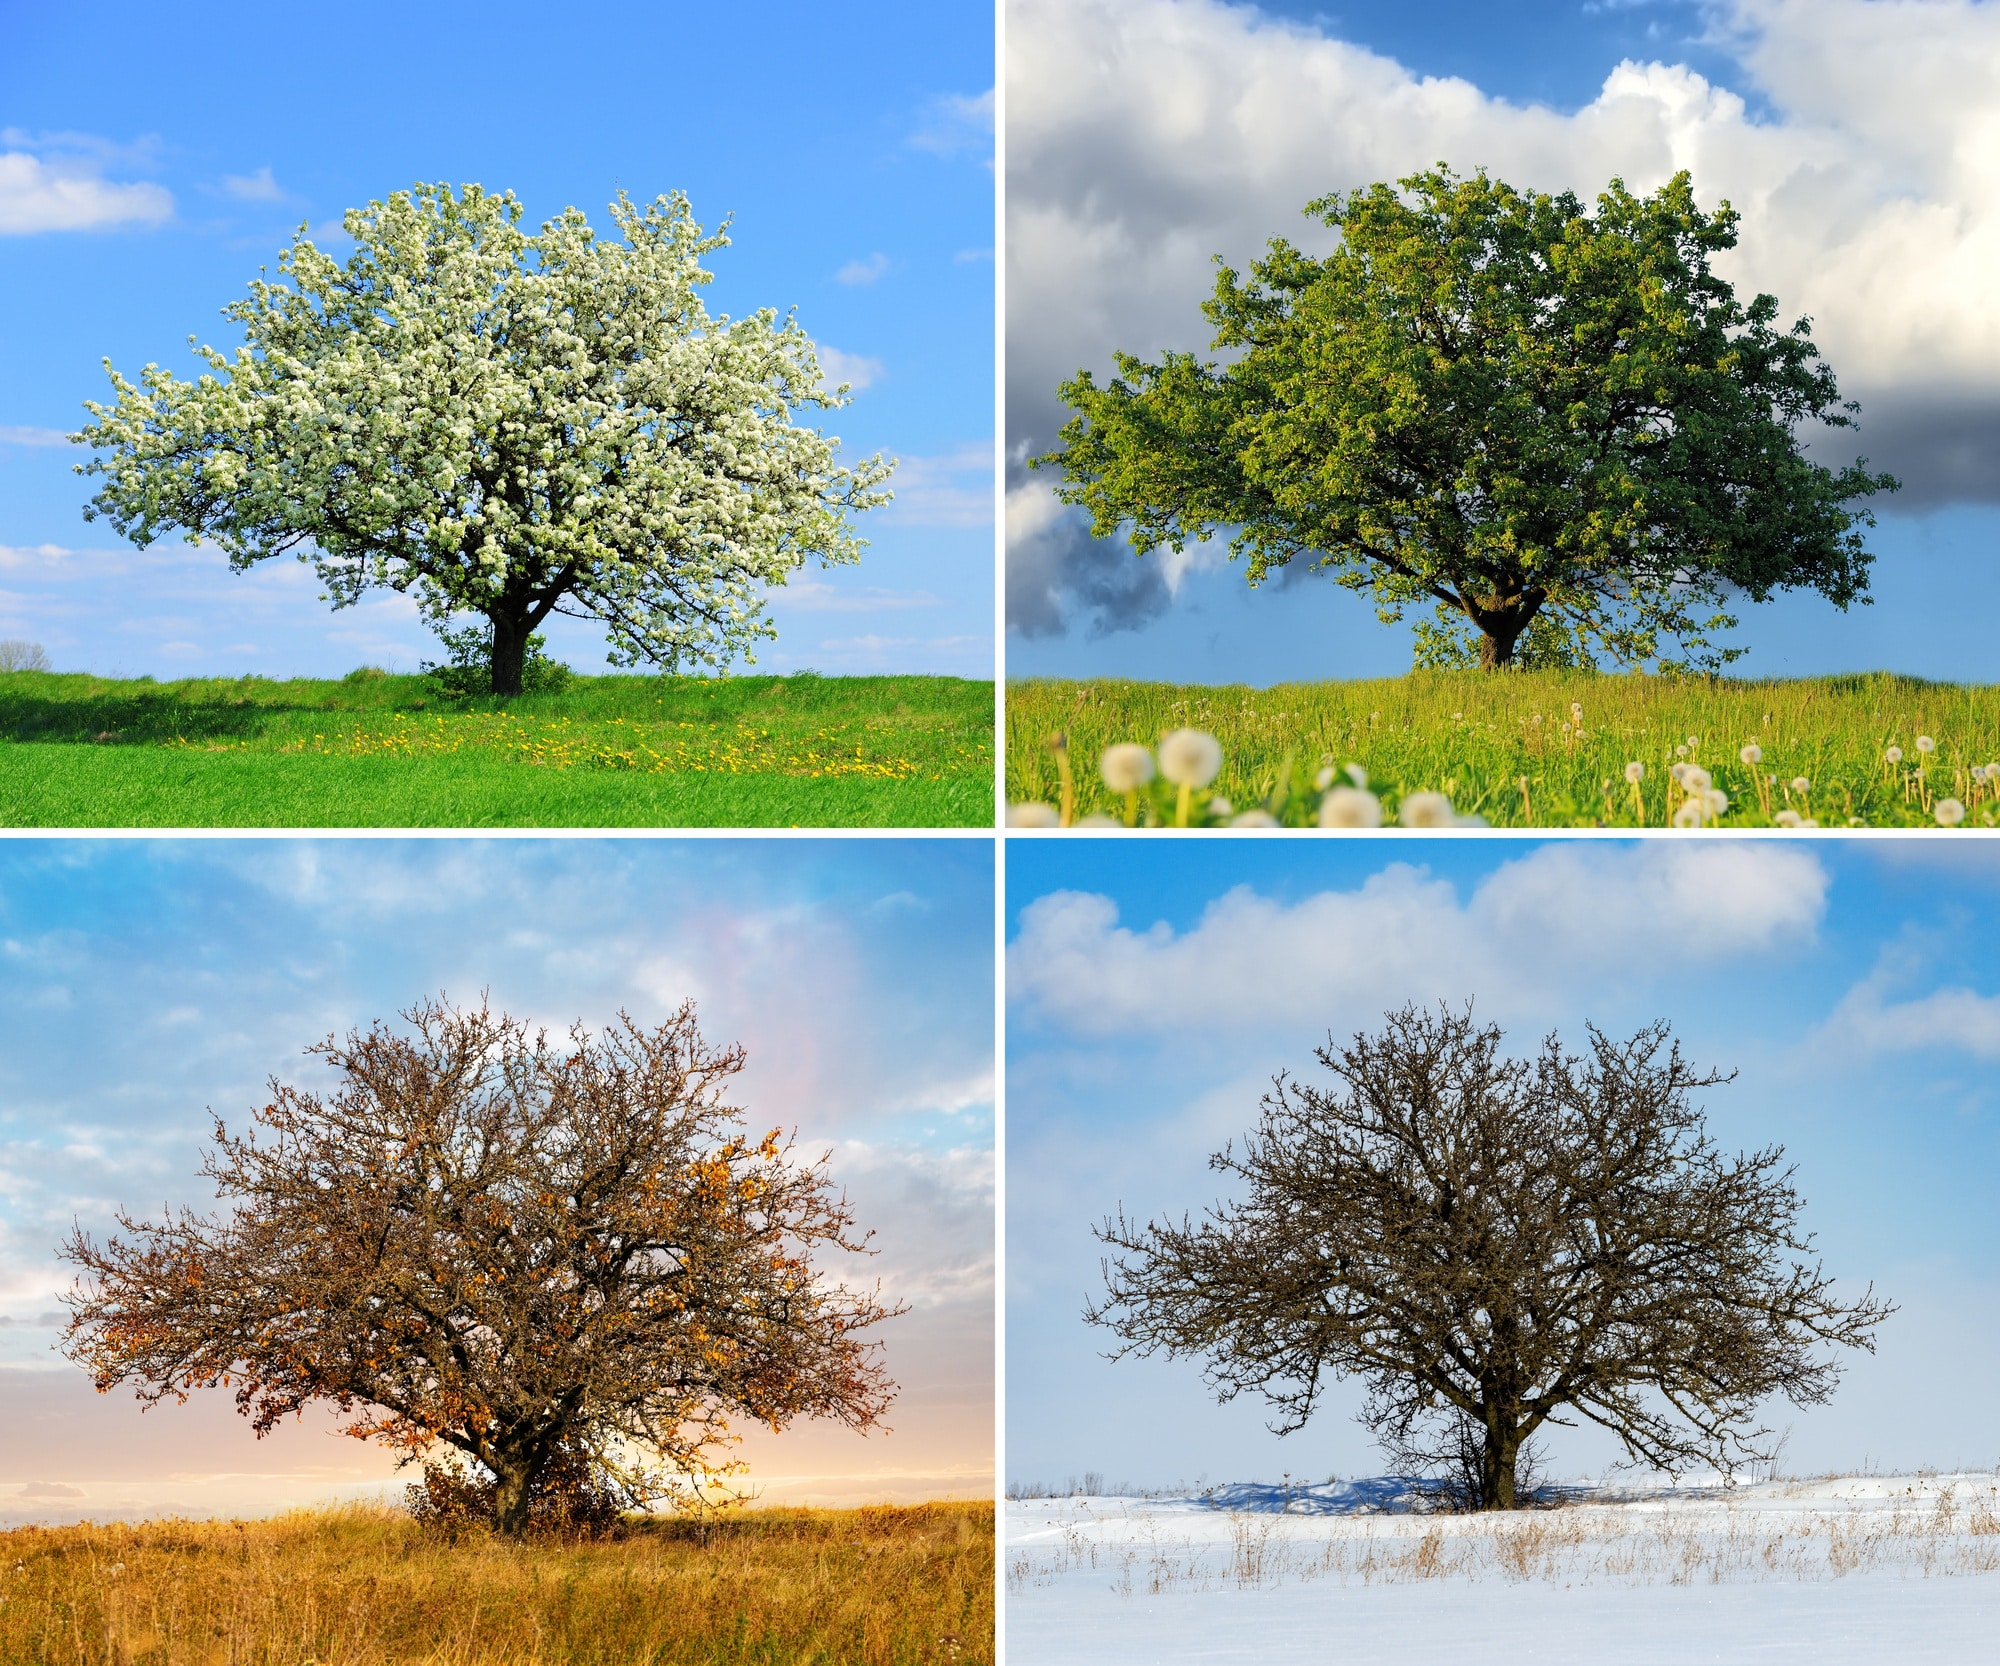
1488	1243
528	1252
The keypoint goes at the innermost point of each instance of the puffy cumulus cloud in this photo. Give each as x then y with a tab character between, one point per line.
1055	567
59	193
1538	928
1144	137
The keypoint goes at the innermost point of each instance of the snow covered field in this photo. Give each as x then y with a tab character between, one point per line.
1832	1571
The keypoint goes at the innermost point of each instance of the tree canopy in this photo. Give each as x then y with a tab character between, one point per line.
502	424
1490	1244
1499	405
538	1255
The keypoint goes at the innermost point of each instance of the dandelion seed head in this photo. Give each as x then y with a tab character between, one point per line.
1255	818
1350	807
1635	772
1714	800
1949	812
1689	814
1220	808
1693	742
1358	776
1800	784
1894	755
1696	779
1576	711
1426	810
1097	818
1325	778
1788	818
1126	767
1033	814
1190	757
1680	751
1926	744
1752	754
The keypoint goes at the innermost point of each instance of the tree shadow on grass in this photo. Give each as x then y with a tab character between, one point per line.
137	717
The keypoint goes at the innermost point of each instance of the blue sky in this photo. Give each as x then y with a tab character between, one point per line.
854	151
1154	988
1145	136
152	981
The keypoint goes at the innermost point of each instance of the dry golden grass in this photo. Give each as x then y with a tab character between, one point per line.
363	1587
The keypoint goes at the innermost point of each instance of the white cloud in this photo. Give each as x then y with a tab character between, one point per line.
1566	915
32	436
954	488
66	194
818	595
1146	136
857	372
957	123
1957	1018
863	271
257	187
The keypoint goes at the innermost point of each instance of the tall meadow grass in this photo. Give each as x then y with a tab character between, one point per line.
363	1586
1548	749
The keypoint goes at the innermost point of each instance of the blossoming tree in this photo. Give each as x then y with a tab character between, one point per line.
551	1259
504	424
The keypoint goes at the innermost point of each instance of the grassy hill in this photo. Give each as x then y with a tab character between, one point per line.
1548	749
374	750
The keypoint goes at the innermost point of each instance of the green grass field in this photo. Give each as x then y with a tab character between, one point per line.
375	750
1512	748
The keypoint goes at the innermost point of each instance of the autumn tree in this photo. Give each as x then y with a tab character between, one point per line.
537	1254
1492	1245
503	424
1534	420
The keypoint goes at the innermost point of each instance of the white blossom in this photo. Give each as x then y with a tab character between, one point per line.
1033	814
502	423
1752	754
1635	772
1949	812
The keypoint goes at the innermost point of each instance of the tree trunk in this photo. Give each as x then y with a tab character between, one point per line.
1496	652
514	1491
510	652
1501	620
1497	1461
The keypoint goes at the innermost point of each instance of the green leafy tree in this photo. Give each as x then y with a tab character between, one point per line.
501	424
1501	405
